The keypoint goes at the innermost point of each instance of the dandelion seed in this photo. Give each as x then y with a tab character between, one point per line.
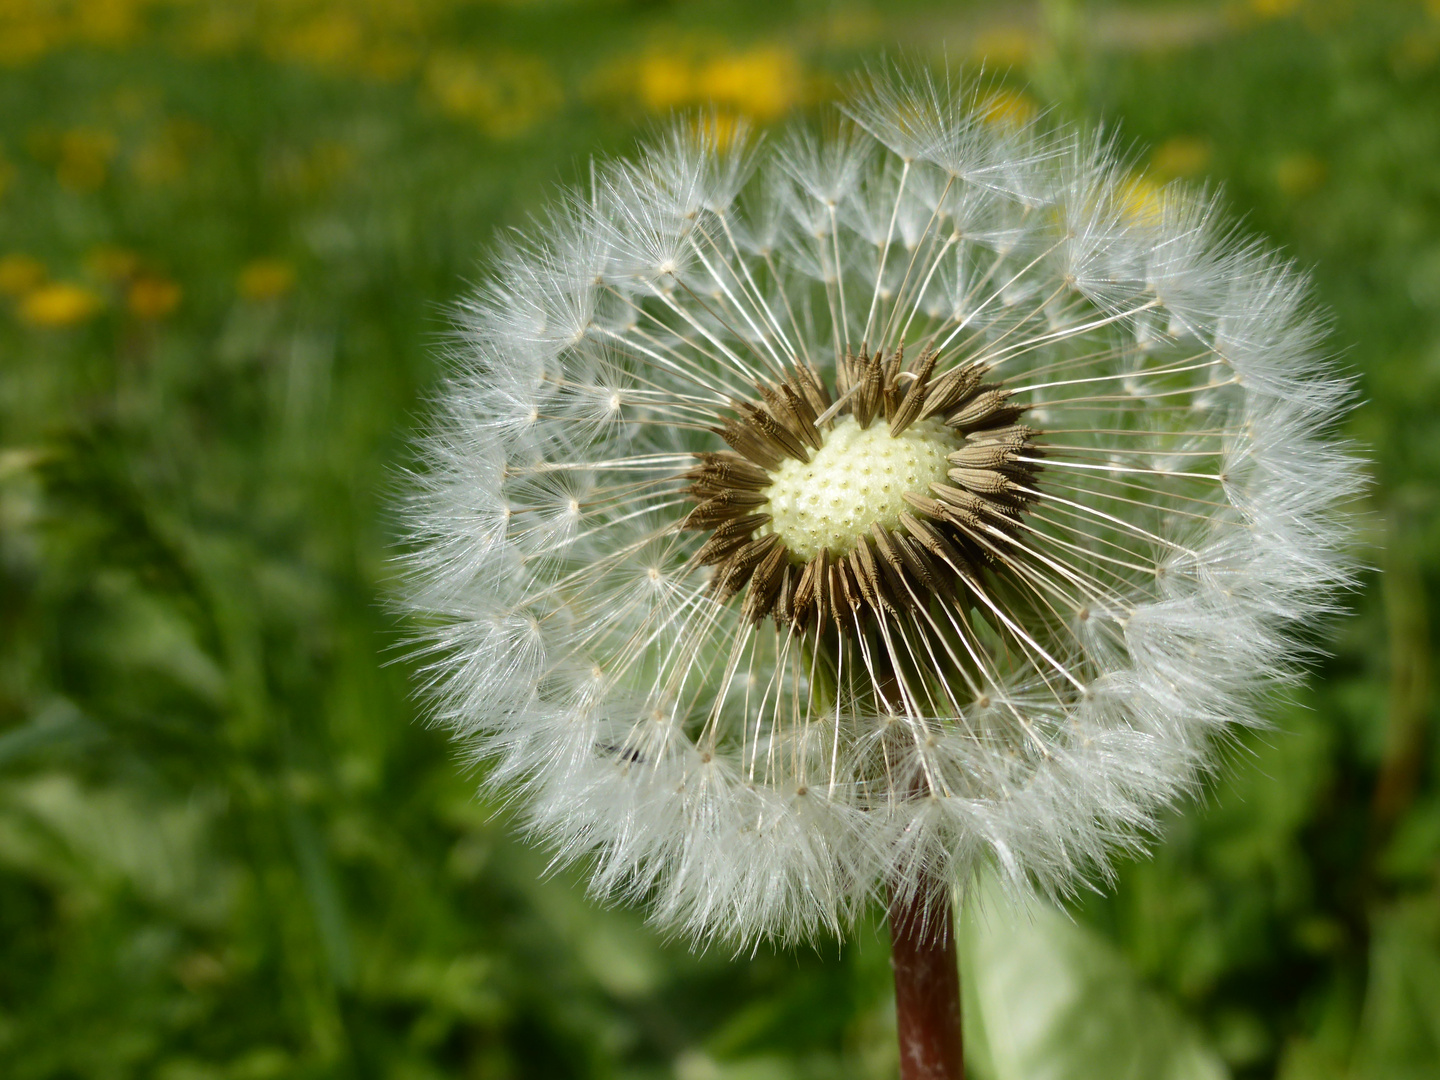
815	523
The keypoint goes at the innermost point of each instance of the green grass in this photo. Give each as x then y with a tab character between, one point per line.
229	847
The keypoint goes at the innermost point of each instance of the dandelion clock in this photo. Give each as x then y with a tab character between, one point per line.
810	522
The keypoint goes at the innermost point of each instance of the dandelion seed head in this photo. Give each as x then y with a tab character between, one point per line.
812	519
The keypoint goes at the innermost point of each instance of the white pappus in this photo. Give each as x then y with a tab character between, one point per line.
818	517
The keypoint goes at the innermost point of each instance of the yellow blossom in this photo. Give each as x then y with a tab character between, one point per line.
61	303
388	61
1142	198
84	158
718	128
1274	9
505	94
265	279
1297	175
329	39
106	22
1008	107
164	156
665	82
1006	46
152	297
852	27
20	273
27	35
111	263
1184	155
1417	49
764	82
216	29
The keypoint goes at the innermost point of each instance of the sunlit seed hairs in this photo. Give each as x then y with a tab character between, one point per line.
812	518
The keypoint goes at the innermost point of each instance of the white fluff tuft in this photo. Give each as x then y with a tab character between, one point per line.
1189	514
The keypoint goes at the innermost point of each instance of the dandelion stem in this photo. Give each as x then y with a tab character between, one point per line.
927	985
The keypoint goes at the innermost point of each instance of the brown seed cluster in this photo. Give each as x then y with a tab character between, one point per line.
955	527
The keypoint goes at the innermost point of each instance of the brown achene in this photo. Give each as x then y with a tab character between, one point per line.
948	533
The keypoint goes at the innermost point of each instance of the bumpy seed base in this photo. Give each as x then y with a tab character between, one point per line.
857	479
846	518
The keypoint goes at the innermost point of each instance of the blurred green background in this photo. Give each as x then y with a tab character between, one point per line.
229	234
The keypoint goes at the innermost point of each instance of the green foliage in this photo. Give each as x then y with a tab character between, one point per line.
1047	997
229	845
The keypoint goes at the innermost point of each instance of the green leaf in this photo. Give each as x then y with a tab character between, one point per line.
1399	1037
88	839
1049	999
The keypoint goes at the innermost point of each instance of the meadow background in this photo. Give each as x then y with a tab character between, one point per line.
229	850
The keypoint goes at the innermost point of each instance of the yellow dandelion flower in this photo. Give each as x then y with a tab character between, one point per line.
106	22
84	161
329	40
1416	50
852	27
389	61
20	273
665	81
719	129
1298	175
265	279
1184	155
165	155
151	297
1004	46
1274	9
1142	198
505	94
28	38
61	303
764	82
1008	107
111	263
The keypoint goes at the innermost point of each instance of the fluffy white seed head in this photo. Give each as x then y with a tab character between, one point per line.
812	520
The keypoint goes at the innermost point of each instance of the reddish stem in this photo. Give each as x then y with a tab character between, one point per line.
927	987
